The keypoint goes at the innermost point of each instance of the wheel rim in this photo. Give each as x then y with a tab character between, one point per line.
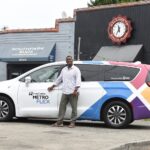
116	115
4	109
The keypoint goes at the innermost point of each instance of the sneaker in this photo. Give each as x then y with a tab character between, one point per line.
72	125
57	125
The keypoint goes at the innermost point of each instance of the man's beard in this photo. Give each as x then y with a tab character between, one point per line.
69	65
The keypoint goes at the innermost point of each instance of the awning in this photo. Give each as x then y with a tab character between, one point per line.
127	53
14	52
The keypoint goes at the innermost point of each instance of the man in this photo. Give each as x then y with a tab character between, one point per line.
70	77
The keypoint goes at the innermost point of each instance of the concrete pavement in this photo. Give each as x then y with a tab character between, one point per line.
39	135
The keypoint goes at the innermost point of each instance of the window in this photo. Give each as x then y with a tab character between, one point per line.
47	74
90	72
148	77
120	73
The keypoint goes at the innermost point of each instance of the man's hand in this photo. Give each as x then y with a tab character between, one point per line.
75	93
50	88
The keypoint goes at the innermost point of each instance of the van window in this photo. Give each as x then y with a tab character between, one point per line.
120	73
46	74
90	72
148	77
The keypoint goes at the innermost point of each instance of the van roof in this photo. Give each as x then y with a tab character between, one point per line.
100	62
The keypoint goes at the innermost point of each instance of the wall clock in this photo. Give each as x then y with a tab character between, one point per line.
119	29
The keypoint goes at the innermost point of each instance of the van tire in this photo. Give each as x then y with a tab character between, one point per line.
117	114
6	109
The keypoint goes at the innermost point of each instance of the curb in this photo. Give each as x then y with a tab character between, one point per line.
145	145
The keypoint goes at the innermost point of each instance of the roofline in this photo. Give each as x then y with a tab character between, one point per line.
137	63
119	5
55	29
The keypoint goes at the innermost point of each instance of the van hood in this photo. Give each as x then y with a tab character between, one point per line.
7	83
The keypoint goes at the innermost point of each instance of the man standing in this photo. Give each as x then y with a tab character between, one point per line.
70	77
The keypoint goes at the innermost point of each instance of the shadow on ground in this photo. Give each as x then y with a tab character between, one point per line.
92	124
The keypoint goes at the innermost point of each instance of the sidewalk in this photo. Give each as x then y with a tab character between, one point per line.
39	135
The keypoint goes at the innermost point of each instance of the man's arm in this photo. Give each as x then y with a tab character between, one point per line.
78	78
78	82
57	82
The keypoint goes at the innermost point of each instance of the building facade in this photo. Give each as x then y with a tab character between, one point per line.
24	49
99	29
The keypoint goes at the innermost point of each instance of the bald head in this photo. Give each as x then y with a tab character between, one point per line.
69	61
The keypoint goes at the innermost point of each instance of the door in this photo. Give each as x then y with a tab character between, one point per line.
33	98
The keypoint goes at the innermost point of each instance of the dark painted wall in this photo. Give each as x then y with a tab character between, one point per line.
92	26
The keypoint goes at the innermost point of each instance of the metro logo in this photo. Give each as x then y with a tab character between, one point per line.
40	98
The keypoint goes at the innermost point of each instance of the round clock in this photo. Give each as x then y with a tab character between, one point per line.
119	29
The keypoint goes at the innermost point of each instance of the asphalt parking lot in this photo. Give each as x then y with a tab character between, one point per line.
39	135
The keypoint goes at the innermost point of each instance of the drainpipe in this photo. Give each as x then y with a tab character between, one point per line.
79	43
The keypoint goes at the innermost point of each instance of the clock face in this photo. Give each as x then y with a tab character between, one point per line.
119	29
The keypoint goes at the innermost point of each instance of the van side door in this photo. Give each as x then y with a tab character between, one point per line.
91	91
34	100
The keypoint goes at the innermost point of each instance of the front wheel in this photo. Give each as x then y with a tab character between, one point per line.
6	109
117	114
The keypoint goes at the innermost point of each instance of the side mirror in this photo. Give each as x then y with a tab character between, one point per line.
27	80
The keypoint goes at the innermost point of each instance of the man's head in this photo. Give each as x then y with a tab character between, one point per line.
69	61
